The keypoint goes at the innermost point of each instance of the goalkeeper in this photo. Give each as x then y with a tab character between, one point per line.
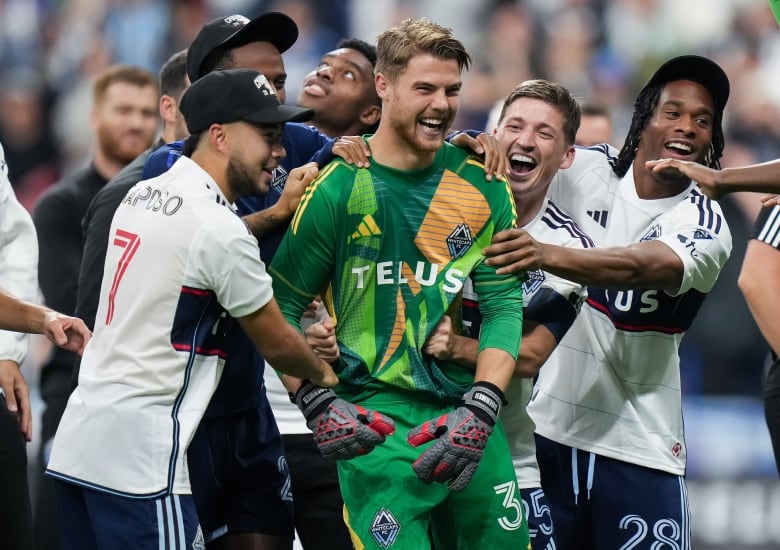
389	247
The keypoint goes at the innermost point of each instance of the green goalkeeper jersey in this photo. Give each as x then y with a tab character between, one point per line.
390	250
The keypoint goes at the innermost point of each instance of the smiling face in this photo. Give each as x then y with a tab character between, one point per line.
680	127
255	151
532	135
418	107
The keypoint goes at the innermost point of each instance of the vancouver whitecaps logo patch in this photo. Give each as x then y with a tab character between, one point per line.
385	528
654	233
534	281
279	179
459	241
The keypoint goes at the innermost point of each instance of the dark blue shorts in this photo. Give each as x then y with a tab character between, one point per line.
600	503
537	513
94	520
239	476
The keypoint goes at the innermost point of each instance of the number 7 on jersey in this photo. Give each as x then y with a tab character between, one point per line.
130	242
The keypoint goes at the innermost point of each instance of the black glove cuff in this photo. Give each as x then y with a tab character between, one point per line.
484	400
313	399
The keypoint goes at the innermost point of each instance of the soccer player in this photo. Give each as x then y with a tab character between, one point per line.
18	274
536	130
393	244
607	404
181	261
761	265
124	121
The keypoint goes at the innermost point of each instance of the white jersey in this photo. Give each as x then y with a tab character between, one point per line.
178	259
612	386
18	261
553	226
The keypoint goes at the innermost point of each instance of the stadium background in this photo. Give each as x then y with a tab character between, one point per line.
601	49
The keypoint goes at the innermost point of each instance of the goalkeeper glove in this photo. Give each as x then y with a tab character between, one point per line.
342	430
462	436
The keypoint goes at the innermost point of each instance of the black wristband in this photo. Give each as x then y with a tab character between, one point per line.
313	399
484	400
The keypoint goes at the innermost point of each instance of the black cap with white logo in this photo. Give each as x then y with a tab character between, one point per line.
233	31
233	95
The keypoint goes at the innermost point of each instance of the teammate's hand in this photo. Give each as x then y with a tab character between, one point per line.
441	342
321	336
69	333
706	177
487	147
297	181
514	251
461	438
342	430
353	150
17	395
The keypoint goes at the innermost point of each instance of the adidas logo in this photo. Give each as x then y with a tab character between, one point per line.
367	228
600	216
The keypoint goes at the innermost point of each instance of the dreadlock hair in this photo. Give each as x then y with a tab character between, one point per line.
645	104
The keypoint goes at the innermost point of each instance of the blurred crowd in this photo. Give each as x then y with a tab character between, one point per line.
602	50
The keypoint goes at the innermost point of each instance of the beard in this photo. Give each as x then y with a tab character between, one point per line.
244	182
407	129
122	149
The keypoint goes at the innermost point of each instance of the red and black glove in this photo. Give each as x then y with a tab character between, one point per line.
462	436
342	430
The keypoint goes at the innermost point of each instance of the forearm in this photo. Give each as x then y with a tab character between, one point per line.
495	366
764	178
642	265
760	271
537	345
262	222
20	316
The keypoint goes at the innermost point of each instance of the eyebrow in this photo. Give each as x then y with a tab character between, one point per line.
347	61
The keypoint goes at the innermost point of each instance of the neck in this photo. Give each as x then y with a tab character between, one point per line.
337	130
106	167
388	149
528	207
216	167
650	185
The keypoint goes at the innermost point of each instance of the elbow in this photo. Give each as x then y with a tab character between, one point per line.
527	367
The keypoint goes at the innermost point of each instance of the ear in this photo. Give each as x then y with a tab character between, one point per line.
370	115
219	138
382	85
168	109
568	158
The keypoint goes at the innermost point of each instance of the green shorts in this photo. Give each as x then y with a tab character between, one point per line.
387	506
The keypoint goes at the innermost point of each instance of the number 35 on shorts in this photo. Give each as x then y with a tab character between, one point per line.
513	519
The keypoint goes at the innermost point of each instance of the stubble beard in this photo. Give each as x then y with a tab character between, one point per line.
242	182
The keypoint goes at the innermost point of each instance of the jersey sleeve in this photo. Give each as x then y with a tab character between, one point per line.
229	261
18	260
500	296
303	264
767	227
699	235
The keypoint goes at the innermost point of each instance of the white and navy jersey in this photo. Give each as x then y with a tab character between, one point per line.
612	386
767	227
558	300
18	261
179	259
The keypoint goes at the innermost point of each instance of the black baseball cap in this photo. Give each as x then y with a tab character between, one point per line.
233	31
233	95
697	69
